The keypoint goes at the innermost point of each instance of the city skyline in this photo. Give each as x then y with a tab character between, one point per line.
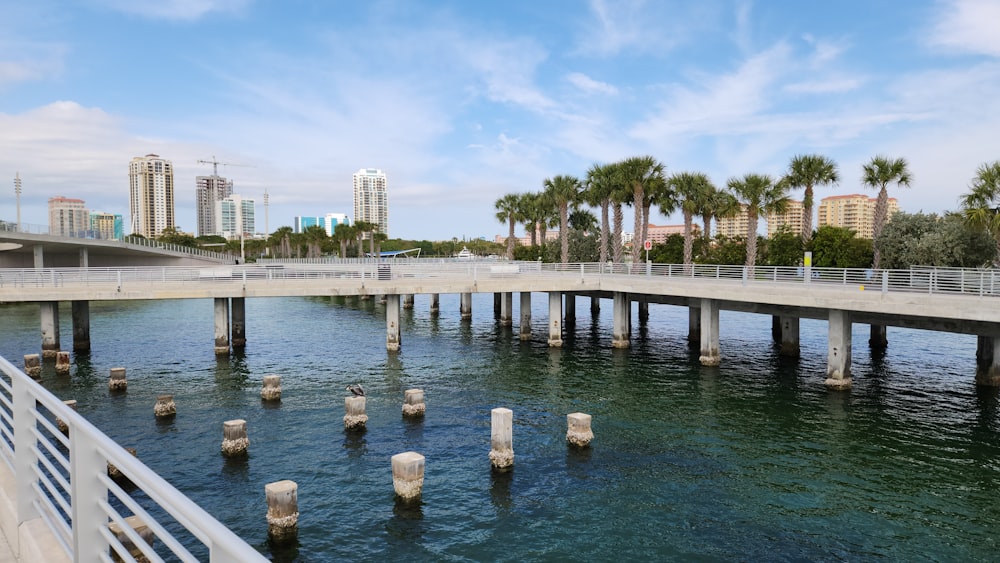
464	103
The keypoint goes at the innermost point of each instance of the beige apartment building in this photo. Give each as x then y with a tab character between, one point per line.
151	195
792	217
854	211
735	226
68	217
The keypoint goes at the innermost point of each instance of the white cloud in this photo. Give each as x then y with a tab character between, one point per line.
968	26
826	86
641	26
589	85
175	9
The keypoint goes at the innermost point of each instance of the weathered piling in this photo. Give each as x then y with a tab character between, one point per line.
117	476
63	427
578	431
62	363
408	475
355	417
117	381
272	388
413	403
140	528
234	438
165	406
282	510
33	365
502	438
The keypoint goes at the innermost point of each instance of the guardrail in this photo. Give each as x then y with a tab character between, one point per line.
64	480
982	282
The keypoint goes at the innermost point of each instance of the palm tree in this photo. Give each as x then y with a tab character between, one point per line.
282	238
527	202
598	193
717	204
508	210
694	190
761	195
641	175
314	236
564	190
981	205
361	229
342	234
806	171
619	195
878	173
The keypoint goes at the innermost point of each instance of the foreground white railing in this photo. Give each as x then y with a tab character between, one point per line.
63	479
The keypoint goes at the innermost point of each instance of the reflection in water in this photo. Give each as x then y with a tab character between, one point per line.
355	443
236	468
500	480
286	551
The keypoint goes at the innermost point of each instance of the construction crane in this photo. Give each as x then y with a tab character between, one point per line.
215	165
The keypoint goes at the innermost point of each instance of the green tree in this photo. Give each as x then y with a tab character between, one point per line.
878	174
720	203
929	240
670	251
807	171
784	248
598	192
694	191
642	176
343	234
761	195
507	211
564	191
981	204
726	251
314	236
583	220
281	242
839	247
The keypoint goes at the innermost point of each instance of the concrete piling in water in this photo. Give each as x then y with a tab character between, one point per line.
282	510
413	403
355	416
234	438
117	476
165	406
33	365
502	438
272	388
578	431
140	528
62	362
63	427
117	381
408	475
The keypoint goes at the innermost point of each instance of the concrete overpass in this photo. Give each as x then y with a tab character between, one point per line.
29	250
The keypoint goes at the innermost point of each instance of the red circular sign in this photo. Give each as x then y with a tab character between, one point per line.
648	245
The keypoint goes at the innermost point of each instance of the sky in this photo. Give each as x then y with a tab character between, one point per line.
460	103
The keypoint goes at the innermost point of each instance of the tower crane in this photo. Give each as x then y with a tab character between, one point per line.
215	165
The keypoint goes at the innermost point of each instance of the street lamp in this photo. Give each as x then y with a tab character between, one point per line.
17	197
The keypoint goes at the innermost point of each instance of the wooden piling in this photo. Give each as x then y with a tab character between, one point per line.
62	363
413	403
578	431
117	476
144	531
282	510
355	417
33	365
502	438
234	438
117	381
63	427
408	475
272	388
165	406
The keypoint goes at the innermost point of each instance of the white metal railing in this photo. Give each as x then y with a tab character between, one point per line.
63	479
928	280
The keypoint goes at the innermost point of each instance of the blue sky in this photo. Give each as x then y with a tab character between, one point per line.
462	102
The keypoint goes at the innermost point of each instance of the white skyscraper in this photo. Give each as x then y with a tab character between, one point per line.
371	202
151	195
234	216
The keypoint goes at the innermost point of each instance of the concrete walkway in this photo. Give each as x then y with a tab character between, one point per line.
6	554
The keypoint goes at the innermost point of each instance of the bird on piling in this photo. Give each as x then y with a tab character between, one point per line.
357	390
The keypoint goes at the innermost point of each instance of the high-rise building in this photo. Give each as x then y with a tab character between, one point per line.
854	211
735	226
107	226
68	217
151	195
371	202
792	218
235	217
208	192
329	222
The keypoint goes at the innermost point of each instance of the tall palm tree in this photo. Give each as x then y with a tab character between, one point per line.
564	191
343	234
314	236
641	175
694	191
718	204
527	202
620	194
598	193
281	237
981	205
761	195
508	211
361	229
879	173
807	171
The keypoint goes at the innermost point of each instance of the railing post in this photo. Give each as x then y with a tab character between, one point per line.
88	493
582	277
119	272
24	460
885	281
744	275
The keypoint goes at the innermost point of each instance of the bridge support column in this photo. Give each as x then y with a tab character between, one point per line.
776	329
506	308
221	326
408	301
84	258
643	311
392	340
988	361
710	354
81	326
878	339
789	327
555	319
435	304
595	305
497	306
39	256
694	325
465	306
621	312
569	311
838	359
525	329
49	311
239	319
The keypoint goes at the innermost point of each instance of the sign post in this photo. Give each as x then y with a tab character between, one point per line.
647	245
